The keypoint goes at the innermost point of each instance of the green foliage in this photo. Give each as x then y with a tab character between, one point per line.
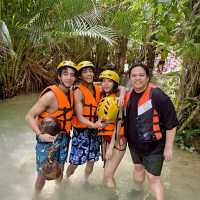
31	29
169	83
189	139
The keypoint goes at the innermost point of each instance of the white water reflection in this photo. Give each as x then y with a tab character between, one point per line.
17	169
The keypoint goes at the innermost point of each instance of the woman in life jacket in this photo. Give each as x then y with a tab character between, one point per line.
113	140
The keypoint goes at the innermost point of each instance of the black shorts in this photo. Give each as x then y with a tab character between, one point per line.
152	163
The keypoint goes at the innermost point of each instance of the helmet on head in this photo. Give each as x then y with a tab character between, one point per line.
85	64
67	63
108	109
110	75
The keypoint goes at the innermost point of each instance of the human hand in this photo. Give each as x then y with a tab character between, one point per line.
109	153
120	100
168	154
45	137
98	124
121	96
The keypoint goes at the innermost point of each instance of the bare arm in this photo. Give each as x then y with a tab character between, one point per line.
79	111
122	92
168	151
114	136
43	104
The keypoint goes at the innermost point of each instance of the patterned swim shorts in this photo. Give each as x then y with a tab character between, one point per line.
42	149
85	146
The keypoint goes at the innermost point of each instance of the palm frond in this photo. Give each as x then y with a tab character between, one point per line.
96	32
88	19
86	25
5	39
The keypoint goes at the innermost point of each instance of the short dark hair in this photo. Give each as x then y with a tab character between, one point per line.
115	87
146	69
80	71
59	71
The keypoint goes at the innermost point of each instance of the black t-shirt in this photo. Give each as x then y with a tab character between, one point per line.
167	116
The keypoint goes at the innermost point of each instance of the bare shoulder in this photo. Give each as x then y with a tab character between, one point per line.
48	98
47	102
78	94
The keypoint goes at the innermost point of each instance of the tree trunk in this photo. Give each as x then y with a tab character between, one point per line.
121	57
150	57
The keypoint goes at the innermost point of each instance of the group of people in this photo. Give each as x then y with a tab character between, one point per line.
146	119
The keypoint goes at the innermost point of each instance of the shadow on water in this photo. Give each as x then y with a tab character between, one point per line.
181	177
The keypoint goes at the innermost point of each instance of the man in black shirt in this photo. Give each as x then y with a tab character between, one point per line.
150	128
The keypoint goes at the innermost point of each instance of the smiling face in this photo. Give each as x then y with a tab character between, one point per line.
87	74
107	85
67	77
139	79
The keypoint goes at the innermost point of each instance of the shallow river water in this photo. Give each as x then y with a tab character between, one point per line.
181	176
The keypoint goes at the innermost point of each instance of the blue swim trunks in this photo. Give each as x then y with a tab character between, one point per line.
85	146
42	148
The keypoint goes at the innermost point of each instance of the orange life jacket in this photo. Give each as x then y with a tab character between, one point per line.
65	108
109	128
148	120
89	105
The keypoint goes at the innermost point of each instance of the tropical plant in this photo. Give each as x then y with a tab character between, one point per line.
33	33
188	45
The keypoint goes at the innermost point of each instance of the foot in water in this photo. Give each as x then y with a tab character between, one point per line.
138	187
65	180
84	180
36	196
135	194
